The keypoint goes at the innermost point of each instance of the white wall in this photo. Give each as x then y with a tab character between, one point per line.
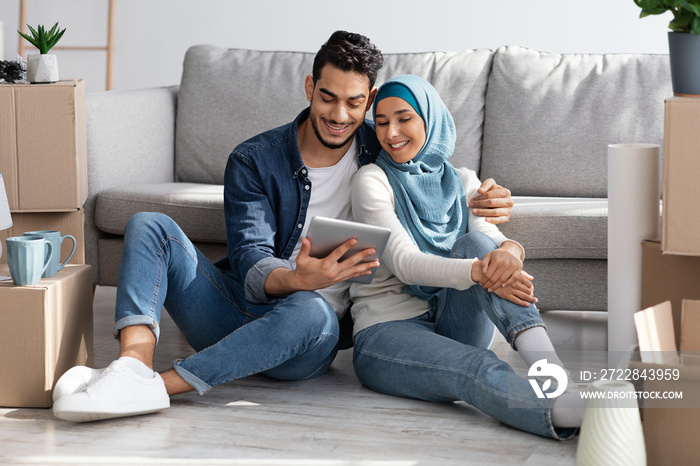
153	35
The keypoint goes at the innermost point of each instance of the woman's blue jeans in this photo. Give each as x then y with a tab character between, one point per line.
290	339
444	356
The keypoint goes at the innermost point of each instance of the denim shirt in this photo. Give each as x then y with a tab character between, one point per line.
266	198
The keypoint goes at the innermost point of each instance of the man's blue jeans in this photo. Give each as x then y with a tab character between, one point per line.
291	339
444	356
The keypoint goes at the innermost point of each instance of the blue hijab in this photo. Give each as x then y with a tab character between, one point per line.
428	191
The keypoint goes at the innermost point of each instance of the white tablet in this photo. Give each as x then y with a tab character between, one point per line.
326	234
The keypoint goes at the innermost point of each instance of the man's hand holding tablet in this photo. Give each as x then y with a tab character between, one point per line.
333	251
328	234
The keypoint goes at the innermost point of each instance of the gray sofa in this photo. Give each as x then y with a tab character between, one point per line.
539	123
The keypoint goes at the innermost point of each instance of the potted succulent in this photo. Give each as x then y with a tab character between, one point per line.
42	67
683	41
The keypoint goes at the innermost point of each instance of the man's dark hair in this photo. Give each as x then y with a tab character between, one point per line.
348	51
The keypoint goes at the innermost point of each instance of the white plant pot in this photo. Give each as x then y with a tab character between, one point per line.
42	68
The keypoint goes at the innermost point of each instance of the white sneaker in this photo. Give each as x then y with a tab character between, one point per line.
117	392
75	380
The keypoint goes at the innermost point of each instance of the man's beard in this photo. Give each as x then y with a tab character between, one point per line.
326	143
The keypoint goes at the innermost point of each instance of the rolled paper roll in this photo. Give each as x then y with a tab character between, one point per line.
633	216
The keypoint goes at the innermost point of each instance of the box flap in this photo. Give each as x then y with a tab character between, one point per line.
655	332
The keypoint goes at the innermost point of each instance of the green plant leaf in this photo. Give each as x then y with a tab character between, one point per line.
29	39
685	12
50	34
648	4
692	7
53	40
34	32
42	39
681	24
695	26
652	11
43	47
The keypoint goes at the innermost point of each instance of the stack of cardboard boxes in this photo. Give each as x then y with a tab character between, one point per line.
671	272
47	328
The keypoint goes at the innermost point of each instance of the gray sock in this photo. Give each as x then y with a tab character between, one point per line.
568	410
534	344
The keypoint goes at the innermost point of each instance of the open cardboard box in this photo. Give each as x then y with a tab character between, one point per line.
671	425
668	277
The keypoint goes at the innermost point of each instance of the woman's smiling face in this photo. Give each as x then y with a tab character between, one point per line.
400	130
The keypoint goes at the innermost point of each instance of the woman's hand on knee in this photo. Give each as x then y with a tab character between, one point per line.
500	268
520	292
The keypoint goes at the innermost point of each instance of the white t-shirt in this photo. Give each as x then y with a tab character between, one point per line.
331	188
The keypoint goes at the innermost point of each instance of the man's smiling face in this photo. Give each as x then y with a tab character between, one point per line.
339	102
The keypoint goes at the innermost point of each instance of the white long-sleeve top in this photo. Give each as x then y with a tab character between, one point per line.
403	262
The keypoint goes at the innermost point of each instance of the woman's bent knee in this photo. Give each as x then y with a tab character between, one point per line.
473	244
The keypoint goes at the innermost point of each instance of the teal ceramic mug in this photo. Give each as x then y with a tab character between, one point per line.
56	240
27	258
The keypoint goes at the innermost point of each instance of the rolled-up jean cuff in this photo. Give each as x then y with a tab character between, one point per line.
527	325
137	320
194	381
558	433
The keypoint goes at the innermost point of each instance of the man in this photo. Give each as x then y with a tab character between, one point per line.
268	307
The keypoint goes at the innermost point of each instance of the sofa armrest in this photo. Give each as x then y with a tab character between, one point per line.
130	139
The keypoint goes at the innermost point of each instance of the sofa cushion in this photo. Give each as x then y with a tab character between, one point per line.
229	95
559	228
197	208
550	117
548	228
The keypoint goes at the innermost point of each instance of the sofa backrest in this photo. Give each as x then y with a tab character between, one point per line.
539	123
229	95
550	117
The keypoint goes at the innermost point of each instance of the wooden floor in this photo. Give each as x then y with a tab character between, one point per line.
329	421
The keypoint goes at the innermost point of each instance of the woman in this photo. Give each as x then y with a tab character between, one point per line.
424	326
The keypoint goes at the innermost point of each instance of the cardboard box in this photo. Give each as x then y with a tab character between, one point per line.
681	190
667	277
45	330
43	145
671	426
68	223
